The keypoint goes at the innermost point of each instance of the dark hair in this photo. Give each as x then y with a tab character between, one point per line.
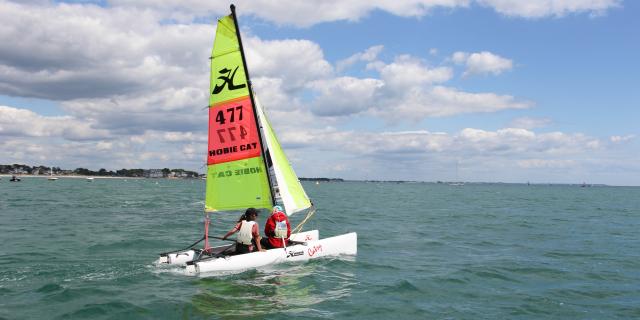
247	213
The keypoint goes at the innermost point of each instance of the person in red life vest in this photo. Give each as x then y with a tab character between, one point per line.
277	229
248	238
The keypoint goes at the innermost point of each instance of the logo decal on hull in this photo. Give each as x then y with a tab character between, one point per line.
294	253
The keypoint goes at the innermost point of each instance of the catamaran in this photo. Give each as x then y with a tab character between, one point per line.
246	167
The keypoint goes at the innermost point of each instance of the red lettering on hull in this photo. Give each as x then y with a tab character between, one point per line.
313	250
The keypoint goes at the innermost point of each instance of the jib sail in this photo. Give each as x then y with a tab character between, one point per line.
291	192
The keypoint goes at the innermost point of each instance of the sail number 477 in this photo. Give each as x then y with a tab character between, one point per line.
231	112
230	131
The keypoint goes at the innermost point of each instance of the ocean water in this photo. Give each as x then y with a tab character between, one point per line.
73	249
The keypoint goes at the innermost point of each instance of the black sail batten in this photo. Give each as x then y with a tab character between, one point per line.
253	104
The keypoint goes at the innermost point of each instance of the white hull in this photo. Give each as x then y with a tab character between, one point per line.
346	244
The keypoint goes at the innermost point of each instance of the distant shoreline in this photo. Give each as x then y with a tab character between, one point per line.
66	176
339	180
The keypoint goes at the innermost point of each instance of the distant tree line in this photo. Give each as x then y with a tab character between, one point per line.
44	170
323	179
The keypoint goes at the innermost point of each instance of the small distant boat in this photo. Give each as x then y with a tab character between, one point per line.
51	177
89	179
14	179
457	183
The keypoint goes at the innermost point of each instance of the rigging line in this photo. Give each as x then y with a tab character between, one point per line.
207	221
309	214
189	247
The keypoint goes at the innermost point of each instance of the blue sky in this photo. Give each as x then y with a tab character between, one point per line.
511	91
577	69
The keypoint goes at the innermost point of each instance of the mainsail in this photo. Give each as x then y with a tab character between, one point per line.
293	196
237	177
238	173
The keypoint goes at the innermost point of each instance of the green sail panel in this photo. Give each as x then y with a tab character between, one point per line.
236	174
237	185
292	194
228	78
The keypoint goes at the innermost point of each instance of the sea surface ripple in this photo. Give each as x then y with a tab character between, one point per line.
73	249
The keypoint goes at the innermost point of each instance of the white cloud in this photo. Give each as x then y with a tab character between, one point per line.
344	95
369	55
512	155
408	90
183	137
550	8
171	109
88	51
619	139
543	163
17	122
407	72
448	101
522	142
296	62
298	13
467	143
308	13
459	57
482	63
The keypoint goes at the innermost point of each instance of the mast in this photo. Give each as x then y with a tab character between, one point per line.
253	104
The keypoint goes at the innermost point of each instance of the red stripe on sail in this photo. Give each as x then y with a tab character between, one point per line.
233	133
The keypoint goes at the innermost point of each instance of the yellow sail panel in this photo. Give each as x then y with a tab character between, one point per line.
228	78
237	185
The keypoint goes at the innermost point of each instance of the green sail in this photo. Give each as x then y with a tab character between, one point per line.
226	64
236	173
291	192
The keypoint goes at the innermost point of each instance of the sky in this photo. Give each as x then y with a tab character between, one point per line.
472	90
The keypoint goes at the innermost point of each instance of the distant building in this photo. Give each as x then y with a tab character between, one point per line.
153	173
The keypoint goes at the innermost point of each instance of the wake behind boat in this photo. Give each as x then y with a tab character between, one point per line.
246	167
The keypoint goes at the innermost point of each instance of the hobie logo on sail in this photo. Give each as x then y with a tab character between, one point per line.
227	78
